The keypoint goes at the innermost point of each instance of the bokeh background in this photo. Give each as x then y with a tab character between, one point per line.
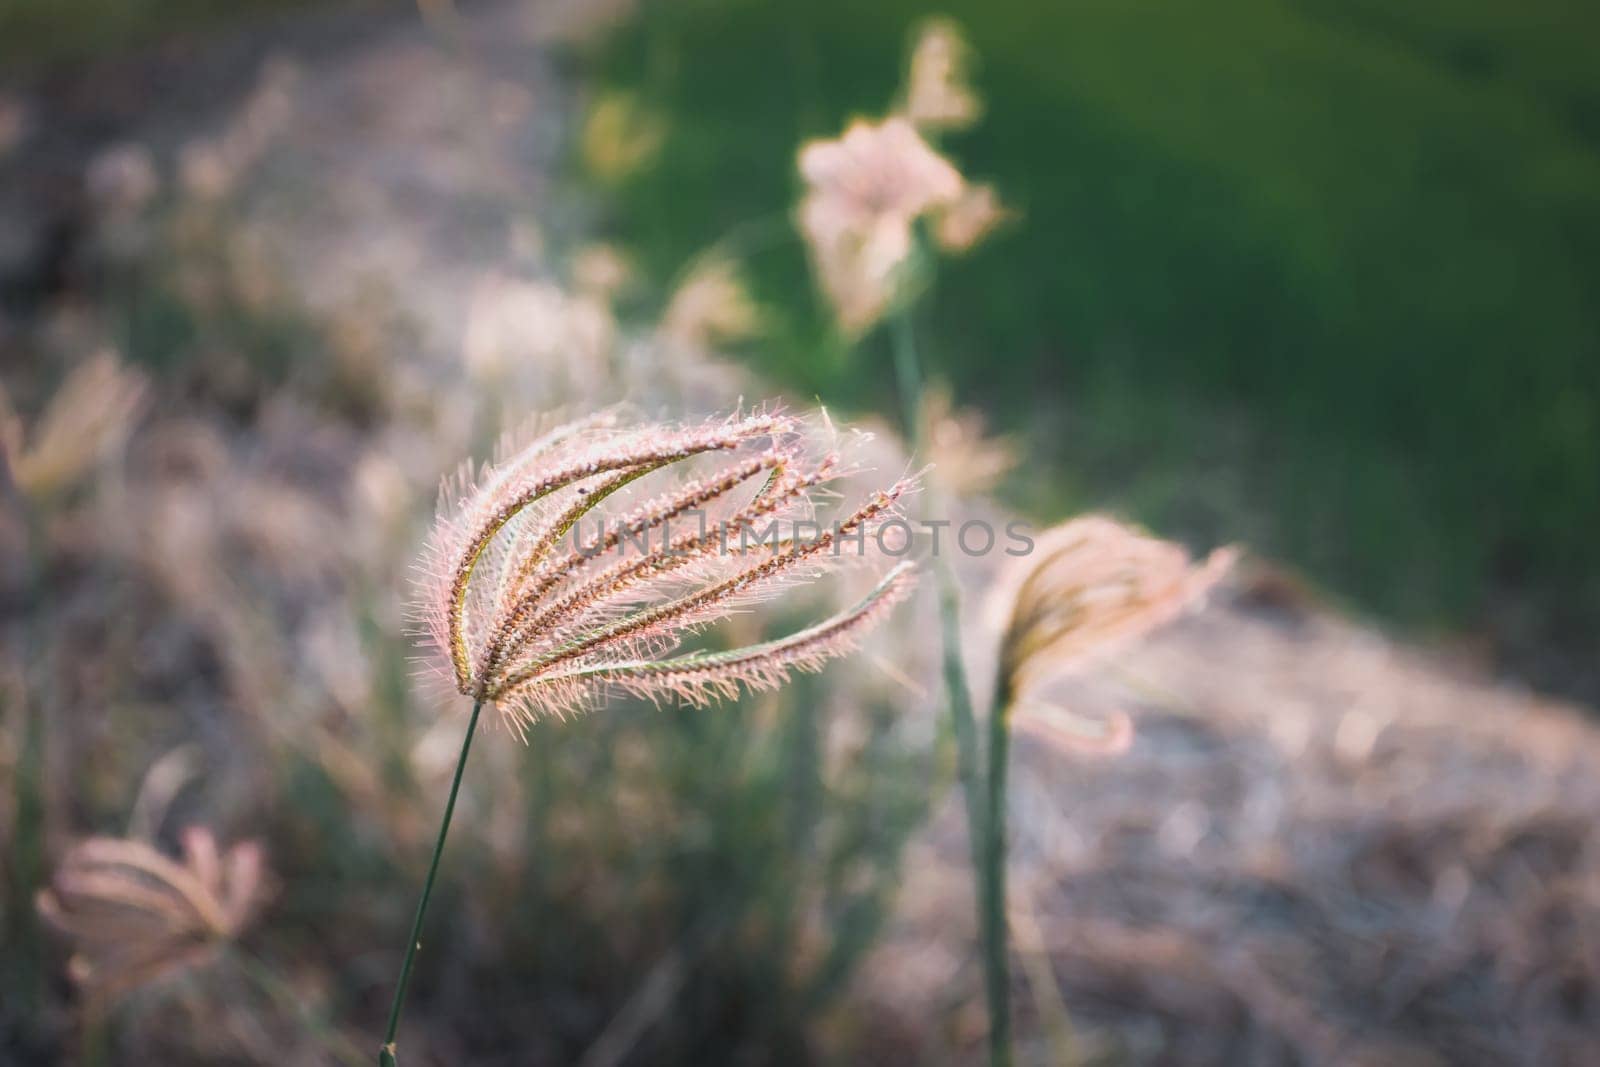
1315	277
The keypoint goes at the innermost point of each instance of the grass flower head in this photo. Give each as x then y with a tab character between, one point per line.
712	306
538	622
970	219
937	94
136	916
1090	586
90	416
964	458
864	193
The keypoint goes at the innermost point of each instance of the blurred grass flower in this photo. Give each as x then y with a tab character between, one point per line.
620	136
971	218
136	916
89	416
122	180
211	169
1088	587
864	192
518	325
964	459
867	189
937	95
1091	586
711	306
601	270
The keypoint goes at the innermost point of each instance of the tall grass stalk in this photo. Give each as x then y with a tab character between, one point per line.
983	795
992	898
386	1055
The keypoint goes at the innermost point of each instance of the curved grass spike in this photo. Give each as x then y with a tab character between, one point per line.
625	574
551	537
684	606
524	618
511	497
535	635
696	675
570	518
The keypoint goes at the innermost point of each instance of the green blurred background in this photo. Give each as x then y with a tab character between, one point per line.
1316	274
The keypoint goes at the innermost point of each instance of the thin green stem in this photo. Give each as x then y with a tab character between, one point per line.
982	798
963	722
992	898
386	1055
908	374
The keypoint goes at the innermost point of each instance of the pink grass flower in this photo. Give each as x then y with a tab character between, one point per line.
937	93
136	915
551	576
864	193
1090	587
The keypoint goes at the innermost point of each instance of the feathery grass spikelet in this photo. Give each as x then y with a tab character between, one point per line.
1090	585
136	916
538	625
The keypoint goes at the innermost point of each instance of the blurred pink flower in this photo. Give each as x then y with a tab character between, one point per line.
136	916
712	305
865	191
937	96
970	219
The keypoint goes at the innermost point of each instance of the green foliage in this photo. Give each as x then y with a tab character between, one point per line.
1344	253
